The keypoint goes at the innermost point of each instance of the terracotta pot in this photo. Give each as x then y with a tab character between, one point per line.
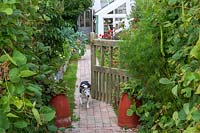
62	108
123	119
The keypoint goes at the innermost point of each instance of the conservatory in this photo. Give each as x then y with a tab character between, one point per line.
105	15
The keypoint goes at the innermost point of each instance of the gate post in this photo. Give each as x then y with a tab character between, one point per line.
93	63
92	37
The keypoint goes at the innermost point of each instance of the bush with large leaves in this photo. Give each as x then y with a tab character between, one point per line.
163	58
21	104
34	43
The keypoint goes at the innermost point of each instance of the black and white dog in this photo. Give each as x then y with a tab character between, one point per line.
84	89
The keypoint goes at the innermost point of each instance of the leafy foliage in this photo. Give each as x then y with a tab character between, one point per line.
34	42
72	10
163	59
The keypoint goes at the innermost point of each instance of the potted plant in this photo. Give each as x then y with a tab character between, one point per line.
127	106
60	103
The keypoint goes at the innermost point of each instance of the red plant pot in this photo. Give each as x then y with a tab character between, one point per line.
62	108
123	119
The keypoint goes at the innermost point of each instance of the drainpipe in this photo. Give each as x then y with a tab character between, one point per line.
92	20
97	23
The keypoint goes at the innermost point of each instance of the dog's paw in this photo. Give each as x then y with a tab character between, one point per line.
81	101
88	106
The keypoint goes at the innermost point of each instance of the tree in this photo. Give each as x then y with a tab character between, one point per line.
73	8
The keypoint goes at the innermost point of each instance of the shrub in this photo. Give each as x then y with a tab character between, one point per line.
163	54
33	46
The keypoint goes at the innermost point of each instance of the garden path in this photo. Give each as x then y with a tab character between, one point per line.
100	117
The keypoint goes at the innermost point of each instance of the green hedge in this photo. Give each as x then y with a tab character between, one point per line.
163	58
35	41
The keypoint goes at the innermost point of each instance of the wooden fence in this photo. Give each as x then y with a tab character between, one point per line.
105	78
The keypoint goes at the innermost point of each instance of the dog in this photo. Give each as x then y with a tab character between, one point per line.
84	89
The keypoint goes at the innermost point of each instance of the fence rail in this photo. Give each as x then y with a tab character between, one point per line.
105	79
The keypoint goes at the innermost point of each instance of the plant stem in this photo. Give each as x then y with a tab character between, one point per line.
161	41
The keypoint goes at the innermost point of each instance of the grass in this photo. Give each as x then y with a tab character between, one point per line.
70	79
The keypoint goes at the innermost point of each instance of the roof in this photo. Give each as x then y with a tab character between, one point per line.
110	7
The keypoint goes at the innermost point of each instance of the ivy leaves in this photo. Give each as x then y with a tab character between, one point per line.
195	52
174	25
131	110
44	115
5	7
4	123
19	58
20	70
14	75
20	124
31	33
8	11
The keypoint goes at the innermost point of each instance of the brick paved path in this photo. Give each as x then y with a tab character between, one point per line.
100	117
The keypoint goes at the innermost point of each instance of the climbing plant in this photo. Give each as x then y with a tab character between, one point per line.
163	59
34	43
20	102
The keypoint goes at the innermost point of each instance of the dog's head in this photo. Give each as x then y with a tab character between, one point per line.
86	92
85	89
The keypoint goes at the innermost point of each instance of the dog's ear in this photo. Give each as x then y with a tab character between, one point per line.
89	85
80	89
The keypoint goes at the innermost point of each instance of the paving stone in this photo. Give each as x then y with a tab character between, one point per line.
100	117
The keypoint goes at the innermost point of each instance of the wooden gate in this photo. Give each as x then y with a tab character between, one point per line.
105	74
